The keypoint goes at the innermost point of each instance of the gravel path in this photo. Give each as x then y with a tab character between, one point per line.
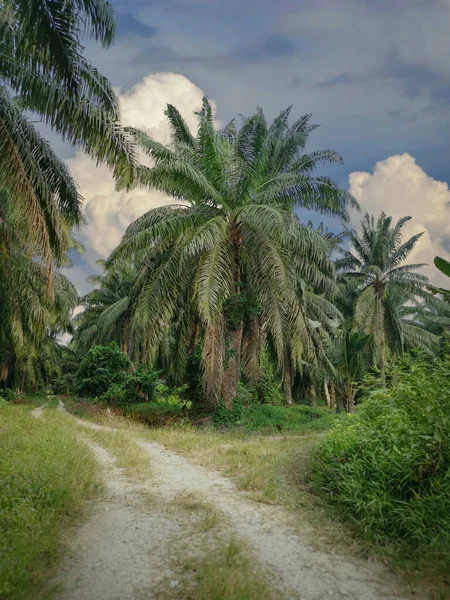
125	550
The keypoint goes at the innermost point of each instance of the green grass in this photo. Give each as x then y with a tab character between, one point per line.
225	573
46	476
257	418
263	418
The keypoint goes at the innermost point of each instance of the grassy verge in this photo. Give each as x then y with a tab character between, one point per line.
226	572
122	445
46	475
256	418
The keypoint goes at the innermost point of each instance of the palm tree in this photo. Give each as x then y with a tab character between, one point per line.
107	313
31	318
232	245
42	62
384	288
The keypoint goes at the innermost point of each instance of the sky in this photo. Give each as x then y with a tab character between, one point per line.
375	74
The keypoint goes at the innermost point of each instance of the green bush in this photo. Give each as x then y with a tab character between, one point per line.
134	388
101	367
387	467
8	394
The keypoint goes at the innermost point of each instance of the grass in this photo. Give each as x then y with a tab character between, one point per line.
46	476
264	418
123	446
256	418
226	573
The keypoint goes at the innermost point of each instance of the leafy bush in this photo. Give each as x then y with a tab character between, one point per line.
387	467
133	388
101	367
8	394
268	387
172	396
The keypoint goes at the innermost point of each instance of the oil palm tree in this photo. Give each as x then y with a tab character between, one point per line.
107	312
232	244
30	317
384	287
42	62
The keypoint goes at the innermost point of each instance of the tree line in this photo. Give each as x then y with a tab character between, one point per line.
226	287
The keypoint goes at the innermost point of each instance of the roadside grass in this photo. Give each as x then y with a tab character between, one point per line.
226	572
210	564
123	446
47	474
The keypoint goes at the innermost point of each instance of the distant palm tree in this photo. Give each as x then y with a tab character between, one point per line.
384	288
232	246
107	314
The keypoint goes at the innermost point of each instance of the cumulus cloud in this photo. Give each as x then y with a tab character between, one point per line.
110	212
399	186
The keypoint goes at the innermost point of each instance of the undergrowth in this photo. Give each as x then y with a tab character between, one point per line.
386	468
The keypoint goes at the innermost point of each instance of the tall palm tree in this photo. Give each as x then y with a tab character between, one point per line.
384	288
232	244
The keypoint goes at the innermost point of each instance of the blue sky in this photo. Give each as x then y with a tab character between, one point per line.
375	74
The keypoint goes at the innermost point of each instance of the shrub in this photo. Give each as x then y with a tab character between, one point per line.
101	367
387	467
133	388
8	394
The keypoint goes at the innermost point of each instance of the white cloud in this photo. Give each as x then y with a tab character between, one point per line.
109	212
400	187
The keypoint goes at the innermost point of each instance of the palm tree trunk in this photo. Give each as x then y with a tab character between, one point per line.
350	397
327	393
287	378
313	394
232	365
333	395
125	335
234	330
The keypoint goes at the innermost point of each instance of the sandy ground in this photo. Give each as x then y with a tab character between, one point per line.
127	548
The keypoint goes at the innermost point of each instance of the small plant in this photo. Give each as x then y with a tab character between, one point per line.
172	396
8	394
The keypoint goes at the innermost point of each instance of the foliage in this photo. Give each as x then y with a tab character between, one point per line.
224	417
101	367
273	419
268	385
42	62
386	467
8	394
138	386
46	476
32	313
172	396
230	264
383	291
